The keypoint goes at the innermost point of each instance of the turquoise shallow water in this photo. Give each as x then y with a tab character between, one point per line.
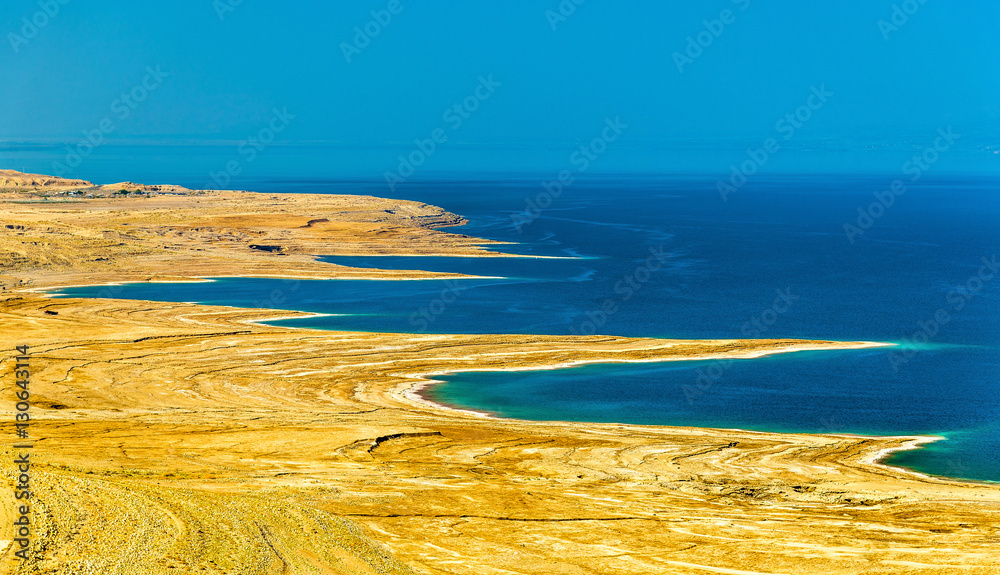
817	392
668	258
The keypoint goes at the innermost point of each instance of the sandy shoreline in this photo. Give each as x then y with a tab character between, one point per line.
48	290
220	444
417	393
414	392
879	457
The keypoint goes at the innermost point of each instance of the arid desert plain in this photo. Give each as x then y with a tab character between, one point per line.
188	439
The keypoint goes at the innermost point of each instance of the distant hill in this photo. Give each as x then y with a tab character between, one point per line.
15	179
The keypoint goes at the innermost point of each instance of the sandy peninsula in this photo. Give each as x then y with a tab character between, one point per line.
179	438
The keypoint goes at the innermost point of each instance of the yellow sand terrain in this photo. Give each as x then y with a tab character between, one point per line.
187	439
12	179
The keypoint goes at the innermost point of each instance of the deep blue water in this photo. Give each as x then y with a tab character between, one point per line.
667	257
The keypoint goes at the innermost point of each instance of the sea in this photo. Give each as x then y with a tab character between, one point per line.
873	256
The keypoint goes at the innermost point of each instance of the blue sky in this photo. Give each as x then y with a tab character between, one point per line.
557	79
